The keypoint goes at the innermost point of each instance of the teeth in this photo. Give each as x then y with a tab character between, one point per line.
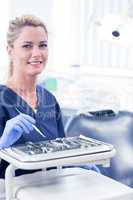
35	62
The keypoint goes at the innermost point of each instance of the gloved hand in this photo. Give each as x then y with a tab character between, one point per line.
14	129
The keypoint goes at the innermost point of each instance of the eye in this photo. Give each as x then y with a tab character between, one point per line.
27	46
43	46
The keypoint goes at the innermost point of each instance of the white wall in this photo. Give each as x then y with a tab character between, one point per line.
4	18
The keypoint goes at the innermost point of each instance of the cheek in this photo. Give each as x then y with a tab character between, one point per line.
22	58
46	55
15	59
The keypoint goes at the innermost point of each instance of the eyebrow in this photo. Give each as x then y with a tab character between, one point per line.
29	42
45	41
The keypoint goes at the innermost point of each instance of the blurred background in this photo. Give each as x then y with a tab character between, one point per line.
90	63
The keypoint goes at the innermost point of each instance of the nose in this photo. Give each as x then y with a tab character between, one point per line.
36	51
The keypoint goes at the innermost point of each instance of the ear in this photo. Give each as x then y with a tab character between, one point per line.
9	50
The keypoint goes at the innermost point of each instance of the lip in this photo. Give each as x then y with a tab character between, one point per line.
35	62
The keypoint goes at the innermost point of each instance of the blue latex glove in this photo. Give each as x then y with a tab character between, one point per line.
14	128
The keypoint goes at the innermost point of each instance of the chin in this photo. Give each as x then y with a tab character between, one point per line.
36	71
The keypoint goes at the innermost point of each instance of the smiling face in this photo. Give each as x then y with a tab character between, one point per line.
29	52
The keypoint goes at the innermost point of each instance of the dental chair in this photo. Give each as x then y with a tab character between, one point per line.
111	127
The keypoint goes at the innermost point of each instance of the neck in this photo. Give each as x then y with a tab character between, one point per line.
24	87
24	84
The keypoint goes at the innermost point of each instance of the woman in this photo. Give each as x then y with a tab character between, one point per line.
23	104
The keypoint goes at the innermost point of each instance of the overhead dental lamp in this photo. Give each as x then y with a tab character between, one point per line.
116	29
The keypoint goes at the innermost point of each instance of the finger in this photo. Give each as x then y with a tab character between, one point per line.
26	123
18	128
16	134
28	118
24	128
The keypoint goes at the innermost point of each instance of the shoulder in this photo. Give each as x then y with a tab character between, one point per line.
3	97
2	88
45	94
45	91
3	91
6	94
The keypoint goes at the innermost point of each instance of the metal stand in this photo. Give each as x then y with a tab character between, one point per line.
10	173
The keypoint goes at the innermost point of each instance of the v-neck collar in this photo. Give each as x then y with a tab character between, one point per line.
12	98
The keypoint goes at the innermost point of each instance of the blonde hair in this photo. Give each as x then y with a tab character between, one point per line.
15	27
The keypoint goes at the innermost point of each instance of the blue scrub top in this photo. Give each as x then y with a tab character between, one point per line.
48	117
